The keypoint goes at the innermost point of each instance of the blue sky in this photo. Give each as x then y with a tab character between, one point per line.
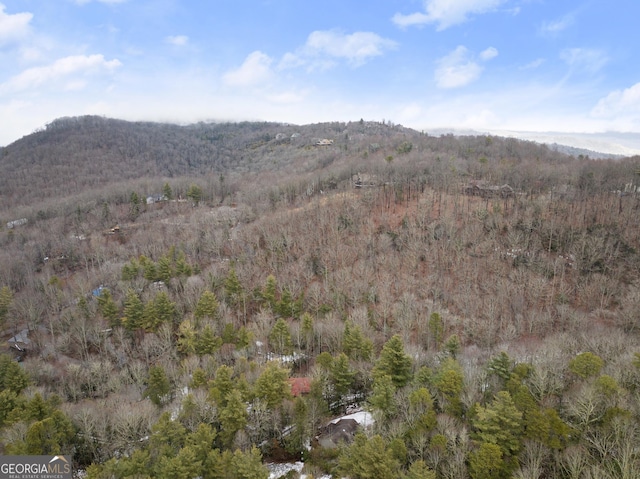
489	65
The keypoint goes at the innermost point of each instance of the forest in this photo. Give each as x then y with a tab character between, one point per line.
202	301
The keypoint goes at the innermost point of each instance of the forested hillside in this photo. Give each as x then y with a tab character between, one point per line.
172	287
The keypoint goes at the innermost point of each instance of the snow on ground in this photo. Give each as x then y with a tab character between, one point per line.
277	470
364	418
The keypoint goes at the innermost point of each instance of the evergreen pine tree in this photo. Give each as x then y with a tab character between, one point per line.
133	311
158	386
272	386
207	306
167	192
280	338
500	423
108	308
383	398
269	292
6	298
164	270
341	376
12	376
187	337
207	342
233	418
394	362
486	462
368	459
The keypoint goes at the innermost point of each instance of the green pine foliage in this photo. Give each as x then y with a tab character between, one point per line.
448	383
272	386
108	308
354	344
207	306
158	386
6	299
369	458
586	365
13	378
133	311
280	338
500	423
394	362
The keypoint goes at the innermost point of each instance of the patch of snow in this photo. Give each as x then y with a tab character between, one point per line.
285	358
277	470
364	418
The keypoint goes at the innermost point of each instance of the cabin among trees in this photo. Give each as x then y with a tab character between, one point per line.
485	190
363	180
14	223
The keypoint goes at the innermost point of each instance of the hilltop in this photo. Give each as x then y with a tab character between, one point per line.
71	156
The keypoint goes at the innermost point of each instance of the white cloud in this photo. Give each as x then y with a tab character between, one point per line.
255	69
459	68
324	47
13	27
534	64
488	54
177	40
446	13
620	103
60	69
584	59
556	26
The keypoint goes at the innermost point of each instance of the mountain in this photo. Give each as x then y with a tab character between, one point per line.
606	145
71	156
164	286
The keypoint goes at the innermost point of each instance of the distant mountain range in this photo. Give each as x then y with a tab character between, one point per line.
607	145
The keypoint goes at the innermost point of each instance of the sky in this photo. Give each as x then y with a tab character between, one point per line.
486	65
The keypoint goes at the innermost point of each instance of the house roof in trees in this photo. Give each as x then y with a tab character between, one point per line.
156	198
364	418
336	432
98	291
20	341
481	188
361	180
343	429
14	223
300	386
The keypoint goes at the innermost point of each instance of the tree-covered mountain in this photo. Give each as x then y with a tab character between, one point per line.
74	155
477	295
